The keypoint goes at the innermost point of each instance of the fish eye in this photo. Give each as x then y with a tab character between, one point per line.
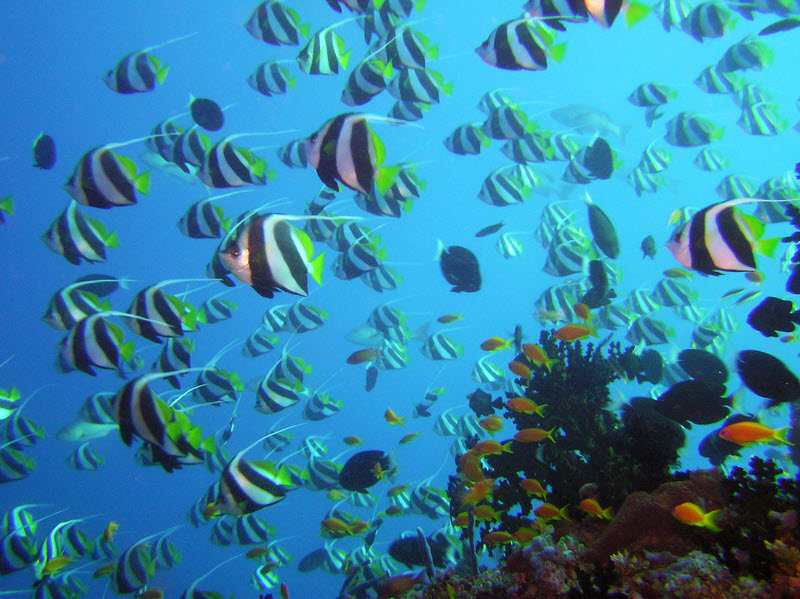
314	138
235	252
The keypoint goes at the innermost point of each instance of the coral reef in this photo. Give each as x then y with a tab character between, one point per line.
592	445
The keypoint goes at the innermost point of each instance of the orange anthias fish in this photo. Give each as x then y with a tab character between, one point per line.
109	531
520	370
583	312
479	491
462	520
525	535
745	433
547	511
495	344
448	318
691	513
498	537
363	355
336	525
591	507
525	406
397	586
573	332
533	435
537	355
534	487
492	424
470	465
484	513
393	510
408	438
393	418
490	447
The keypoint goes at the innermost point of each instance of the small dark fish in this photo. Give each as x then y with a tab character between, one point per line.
649	247
651	367
44	152
489	230
361	471
482	403
773	315
372	377
700	364
207	114
599	159
783	25
766	376
460	268
697	401
600	294
603	232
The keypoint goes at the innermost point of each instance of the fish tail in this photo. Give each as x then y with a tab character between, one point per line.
710	520
782	435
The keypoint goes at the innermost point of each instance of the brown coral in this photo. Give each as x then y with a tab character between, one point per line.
645	522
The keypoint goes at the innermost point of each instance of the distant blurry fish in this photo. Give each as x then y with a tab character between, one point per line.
44	152
139	71
687	129
708	20
589	120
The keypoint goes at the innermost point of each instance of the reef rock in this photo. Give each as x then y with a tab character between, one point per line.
645	522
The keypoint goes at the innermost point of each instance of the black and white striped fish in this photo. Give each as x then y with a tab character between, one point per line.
270	79
345	149
520	44
79	299
721	238
175	356
301	318
439	347
139	71
95	342
324	53
276	24
226	165
247	486
189	149
154	313
141	413
259	343
383	278
419	85
104	179
269	254
366	80
466	139
358	259
293	154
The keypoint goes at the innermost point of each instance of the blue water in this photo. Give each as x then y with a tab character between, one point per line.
52	59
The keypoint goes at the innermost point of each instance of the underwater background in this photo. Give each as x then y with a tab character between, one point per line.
53	57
